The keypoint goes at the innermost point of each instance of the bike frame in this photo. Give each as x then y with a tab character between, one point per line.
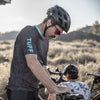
95	81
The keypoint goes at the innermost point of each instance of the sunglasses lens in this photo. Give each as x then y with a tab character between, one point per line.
57	32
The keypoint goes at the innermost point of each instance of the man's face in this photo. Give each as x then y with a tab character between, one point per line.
53	31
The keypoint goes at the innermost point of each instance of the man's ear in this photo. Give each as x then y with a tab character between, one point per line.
49	22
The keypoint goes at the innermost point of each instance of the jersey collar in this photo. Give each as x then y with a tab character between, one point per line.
39	31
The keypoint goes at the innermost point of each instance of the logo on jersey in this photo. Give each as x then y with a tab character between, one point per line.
29	45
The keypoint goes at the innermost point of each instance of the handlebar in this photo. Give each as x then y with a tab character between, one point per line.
60	73
73	97
55	73
95	80
67	96
95	75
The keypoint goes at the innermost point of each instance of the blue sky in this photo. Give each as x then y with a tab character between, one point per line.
20	13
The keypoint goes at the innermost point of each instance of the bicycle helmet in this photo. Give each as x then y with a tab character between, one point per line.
60	16
70	69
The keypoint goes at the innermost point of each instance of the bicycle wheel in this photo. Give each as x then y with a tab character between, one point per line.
97	97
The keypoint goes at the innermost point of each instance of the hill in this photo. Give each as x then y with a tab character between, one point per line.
8	35
77	35
88	32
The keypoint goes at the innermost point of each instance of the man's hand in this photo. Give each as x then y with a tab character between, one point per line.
62	89
52	96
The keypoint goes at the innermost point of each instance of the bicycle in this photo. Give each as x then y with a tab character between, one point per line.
96	80
76	96
63	96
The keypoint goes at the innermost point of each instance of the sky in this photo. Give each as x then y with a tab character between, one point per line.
20	13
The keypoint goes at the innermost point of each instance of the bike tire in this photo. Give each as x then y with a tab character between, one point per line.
97	97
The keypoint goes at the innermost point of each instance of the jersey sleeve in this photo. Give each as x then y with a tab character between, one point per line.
28	41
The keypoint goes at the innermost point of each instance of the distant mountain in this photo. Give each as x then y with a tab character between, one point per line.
87	29
9	35
78	35
88	32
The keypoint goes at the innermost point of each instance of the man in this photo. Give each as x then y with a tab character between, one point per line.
76	87
30	57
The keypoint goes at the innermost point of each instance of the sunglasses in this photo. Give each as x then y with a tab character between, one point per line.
57	32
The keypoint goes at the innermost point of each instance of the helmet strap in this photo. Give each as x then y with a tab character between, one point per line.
47	27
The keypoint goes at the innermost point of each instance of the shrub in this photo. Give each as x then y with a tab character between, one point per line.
85	58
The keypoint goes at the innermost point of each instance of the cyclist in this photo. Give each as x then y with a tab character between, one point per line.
30	56
77	87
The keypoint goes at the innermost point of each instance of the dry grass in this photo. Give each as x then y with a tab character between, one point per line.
85	54
73	52
6	50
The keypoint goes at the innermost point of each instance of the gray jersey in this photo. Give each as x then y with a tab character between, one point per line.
78	88
30	41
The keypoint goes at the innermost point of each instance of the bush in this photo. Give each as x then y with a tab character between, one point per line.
85	58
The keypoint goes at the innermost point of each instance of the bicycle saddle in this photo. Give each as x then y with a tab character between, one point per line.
74	97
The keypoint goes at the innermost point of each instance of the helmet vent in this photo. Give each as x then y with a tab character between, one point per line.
60	21
66	25
65	17
53	11
59	13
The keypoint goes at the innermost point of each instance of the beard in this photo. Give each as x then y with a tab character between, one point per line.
53	36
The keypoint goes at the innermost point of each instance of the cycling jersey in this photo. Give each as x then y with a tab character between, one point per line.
29	41
78	88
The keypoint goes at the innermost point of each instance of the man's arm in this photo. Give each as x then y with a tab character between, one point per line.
41	75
